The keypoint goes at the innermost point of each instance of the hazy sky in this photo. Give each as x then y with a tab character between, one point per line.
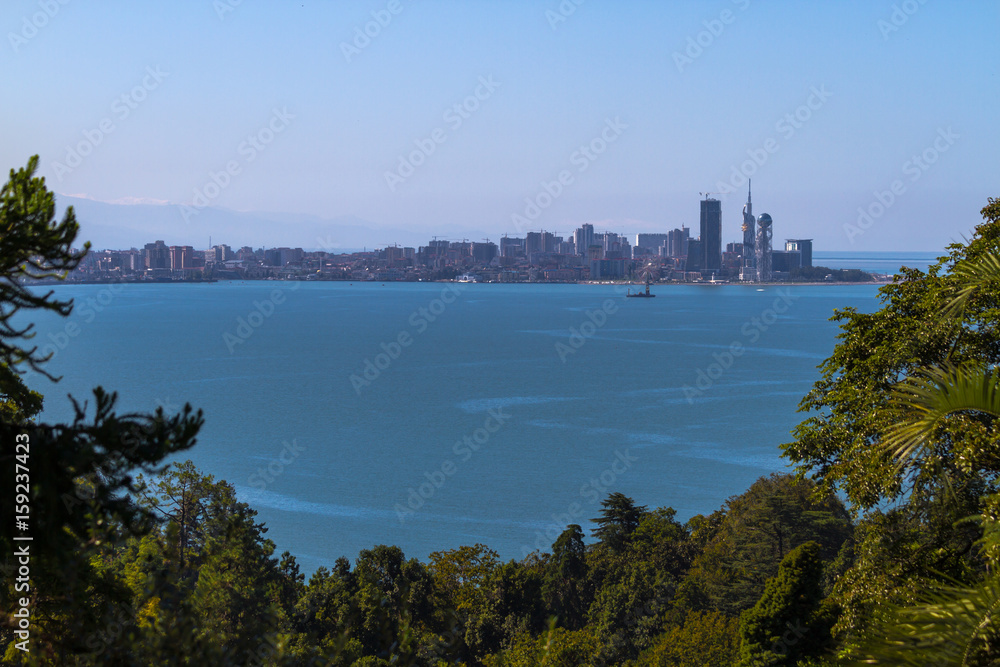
827	104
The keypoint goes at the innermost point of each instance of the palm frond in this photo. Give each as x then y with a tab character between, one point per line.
954	626
924	401
973	275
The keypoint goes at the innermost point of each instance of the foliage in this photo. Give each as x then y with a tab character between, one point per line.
704	639
135	562
744	544
790	621
889	429
32	246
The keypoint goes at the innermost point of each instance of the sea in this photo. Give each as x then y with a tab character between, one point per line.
436	415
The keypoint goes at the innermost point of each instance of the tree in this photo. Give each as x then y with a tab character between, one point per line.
18	404
746	541
839	445
565	579
80	486
790	622
619	518
949	624
557	647
704	639
910	531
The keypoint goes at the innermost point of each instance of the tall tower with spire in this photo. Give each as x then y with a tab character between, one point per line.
748	271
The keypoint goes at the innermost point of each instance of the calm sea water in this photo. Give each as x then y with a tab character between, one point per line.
508	412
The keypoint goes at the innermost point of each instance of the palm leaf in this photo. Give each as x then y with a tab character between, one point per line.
923	402
973	275
954	626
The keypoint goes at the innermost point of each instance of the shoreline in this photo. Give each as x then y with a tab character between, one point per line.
415	282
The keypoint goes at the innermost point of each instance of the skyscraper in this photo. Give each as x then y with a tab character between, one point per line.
805	248
764	248
156	255
749	270
711	235
583	238
677	242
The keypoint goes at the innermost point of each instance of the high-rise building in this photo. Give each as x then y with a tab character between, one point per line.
804	247
764	248
583	238
483	253
533	242
651	242
156	255
785	260
711	235
696	255
511	246
748	272
677	242
181	257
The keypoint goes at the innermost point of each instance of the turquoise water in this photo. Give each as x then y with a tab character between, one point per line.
509	423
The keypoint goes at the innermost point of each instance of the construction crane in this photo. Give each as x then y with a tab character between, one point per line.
705	194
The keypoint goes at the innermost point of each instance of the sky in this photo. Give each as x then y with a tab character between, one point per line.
867	126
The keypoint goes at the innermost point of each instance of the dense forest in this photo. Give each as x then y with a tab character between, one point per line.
817	274
880	545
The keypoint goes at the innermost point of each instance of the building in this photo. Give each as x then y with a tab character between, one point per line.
696	255
181	257
711	235
483	253
785	260
601	269
583	238
652	242
677	242
156	255
539	242
764	248
511	246
804	247
748	271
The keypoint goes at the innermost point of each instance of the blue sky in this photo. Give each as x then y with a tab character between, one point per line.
695	90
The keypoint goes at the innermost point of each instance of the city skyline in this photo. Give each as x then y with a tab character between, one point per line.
616	115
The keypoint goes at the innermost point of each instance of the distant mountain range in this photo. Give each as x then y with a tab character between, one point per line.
126	224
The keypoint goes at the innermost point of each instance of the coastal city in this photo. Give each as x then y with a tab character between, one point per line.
538	256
